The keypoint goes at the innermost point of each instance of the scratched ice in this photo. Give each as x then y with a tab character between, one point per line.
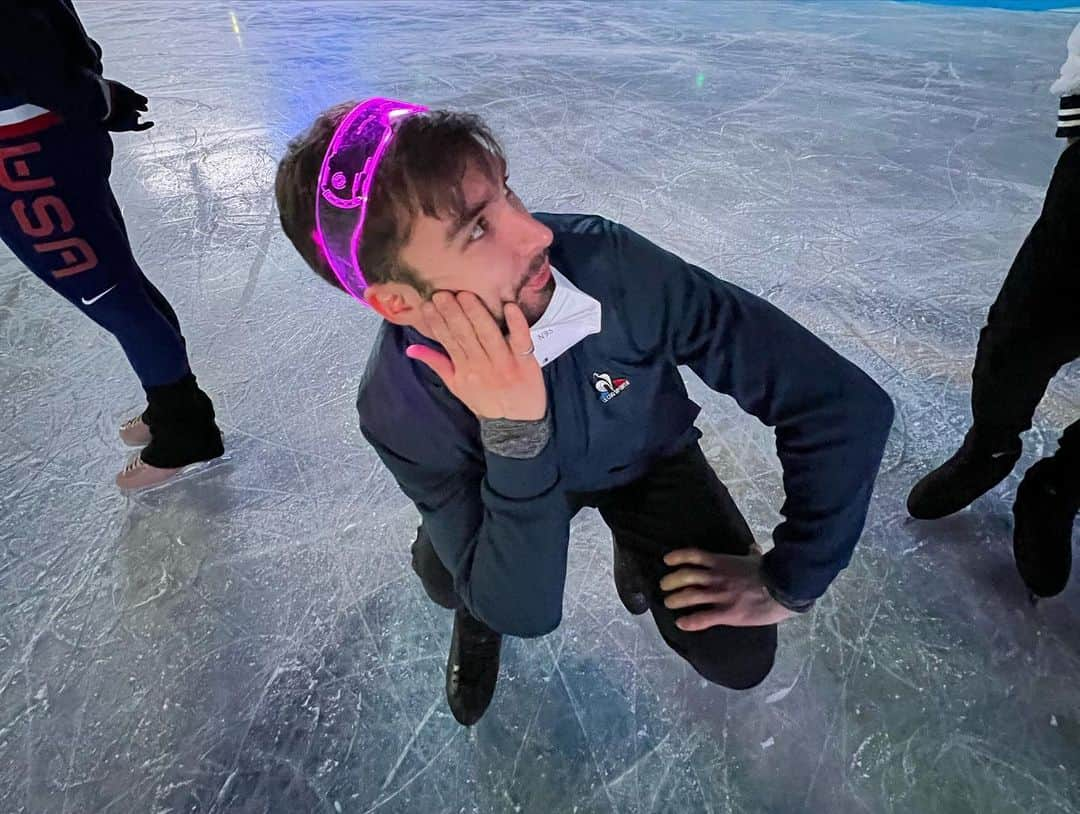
254	640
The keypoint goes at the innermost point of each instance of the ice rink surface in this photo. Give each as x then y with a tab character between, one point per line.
253	639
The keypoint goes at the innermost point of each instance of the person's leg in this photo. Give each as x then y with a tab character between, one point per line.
67	233
472	667
136	431
163	305
58	215
681	503
437	581
156	297
1032	329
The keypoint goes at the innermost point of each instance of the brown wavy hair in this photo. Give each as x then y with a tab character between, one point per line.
421	172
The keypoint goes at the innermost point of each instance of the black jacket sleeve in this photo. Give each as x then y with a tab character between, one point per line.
501	528
831	420
48	60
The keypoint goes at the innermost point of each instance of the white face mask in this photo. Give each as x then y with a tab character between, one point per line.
570	317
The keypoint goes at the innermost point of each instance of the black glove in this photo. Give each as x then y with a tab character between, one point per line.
125	108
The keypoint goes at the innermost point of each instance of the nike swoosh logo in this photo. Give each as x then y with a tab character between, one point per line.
998	454
92	300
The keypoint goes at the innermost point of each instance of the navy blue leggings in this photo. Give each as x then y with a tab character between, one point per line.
58	215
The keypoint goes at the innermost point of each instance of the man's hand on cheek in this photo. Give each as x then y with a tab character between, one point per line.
495	376
722	589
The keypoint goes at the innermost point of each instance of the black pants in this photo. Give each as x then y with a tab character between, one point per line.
1033	327
680	503
59	217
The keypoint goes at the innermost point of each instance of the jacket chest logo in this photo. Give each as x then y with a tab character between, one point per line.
608	386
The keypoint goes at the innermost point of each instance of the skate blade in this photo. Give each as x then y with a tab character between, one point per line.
189	472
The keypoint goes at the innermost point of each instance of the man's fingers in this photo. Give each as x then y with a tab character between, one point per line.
487	331
460	325
441	331
688	576
689	597
703	620
518	328
442	365
690	556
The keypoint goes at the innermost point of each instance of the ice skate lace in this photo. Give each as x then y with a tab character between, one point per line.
131	423
133	464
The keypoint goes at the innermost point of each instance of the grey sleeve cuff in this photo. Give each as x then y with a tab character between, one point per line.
515	439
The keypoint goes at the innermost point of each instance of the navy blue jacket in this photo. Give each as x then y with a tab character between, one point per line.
501	525
48	59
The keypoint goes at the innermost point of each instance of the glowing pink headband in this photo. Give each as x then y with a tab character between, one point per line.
345	178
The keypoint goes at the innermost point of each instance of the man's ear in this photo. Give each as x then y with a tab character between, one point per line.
395	302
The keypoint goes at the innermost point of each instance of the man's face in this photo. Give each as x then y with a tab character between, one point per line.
496	250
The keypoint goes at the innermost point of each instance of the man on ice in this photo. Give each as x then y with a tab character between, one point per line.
527	366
